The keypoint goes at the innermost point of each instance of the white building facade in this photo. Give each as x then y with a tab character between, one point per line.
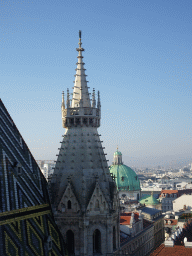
183	202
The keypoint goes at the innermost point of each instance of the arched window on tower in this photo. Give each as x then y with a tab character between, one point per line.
70	241
69	204
96	241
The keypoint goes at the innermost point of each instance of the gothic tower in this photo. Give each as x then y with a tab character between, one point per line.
84	194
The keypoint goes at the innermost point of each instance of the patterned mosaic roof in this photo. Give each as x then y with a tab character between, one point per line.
27	226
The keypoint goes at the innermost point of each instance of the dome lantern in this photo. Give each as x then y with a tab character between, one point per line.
117	157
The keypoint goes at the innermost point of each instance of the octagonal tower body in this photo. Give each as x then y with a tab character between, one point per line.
83	193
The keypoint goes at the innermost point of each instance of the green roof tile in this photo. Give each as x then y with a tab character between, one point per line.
149	200
126	178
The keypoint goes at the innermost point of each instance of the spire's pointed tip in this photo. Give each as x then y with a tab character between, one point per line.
117	148
79	34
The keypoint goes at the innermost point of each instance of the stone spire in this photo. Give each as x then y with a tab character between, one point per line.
80	86
63	102
80	111
82	188
98	101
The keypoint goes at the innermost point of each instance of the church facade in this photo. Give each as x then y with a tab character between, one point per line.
83	193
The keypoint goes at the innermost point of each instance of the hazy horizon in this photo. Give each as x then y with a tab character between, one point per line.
137	53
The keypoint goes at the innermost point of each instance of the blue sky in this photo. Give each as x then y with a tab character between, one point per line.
137	53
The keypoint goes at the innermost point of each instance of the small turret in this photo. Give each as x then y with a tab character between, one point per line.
98	101
93	99
68	99
63	109
63	102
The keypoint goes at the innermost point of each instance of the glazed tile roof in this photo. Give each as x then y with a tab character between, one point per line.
177	250
149	200
27	226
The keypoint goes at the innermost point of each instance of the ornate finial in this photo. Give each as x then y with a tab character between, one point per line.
93	99
98	101
68	99
80	40
63	101
117	148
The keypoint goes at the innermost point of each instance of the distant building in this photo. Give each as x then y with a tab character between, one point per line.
156	217
151	201
180	243
166	198
126	179
142	231
137	234
47	169
170	225
183	202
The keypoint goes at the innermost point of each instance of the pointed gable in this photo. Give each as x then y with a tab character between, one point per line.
97	203
69	202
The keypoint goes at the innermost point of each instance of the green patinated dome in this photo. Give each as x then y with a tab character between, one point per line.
126	178
149	200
